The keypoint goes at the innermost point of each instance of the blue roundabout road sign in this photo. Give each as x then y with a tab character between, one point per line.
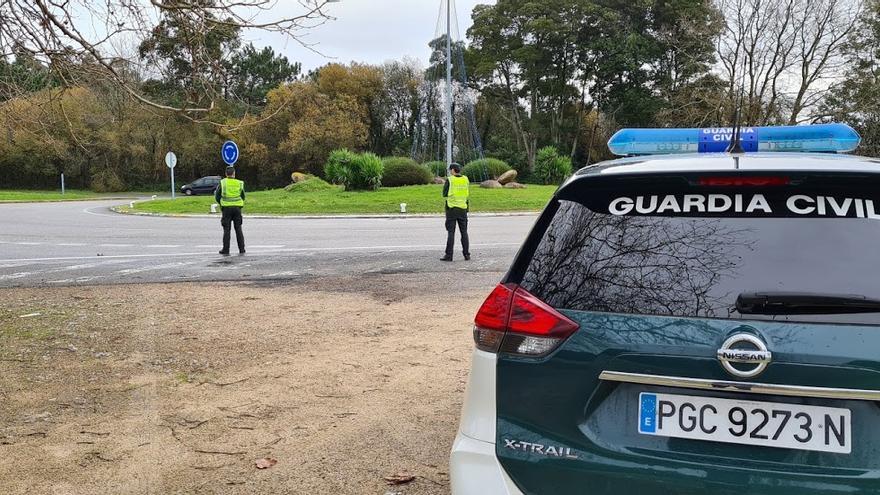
229	152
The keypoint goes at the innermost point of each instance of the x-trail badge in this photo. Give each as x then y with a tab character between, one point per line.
744	355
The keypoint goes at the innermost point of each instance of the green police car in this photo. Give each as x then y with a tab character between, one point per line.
687	321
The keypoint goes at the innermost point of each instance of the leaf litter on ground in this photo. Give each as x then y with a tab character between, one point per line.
400	478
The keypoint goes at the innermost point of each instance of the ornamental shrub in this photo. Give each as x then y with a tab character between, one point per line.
400	171
550	167
337	164
353	171
477	170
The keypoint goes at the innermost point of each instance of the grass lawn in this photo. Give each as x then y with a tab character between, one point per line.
419	199
69	195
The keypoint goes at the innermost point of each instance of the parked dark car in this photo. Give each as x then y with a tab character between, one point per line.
205	185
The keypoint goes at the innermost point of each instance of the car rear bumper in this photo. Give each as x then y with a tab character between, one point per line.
474	469
473	465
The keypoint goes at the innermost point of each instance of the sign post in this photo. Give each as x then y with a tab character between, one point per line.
171	162
229	152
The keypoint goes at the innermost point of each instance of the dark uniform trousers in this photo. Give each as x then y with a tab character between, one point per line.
232	216
457	216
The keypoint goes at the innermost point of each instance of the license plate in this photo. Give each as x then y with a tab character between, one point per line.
770	424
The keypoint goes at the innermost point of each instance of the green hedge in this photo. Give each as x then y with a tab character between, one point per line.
550	167
400	171
353	171
437	168
477	169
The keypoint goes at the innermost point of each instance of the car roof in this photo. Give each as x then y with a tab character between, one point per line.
725	162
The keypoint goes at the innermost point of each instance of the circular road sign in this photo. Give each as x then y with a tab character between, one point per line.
171	159
229	152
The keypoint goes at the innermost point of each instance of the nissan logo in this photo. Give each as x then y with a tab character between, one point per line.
746	350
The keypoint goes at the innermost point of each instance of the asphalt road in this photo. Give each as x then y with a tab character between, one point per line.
84	243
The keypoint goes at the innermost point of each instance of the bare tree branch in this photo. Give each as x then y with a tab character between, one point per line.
77	40
785	54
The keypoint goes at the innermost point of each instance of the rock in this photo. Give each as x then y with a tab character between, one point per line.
439	180
514	185
299	177
491	184
507	177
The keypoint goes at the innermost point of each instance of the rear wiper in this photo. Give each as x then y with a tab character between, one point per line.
803	303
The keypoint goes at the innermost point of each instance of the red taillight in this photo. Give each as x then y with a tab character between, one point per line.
513	320
745	181
532	316
495	311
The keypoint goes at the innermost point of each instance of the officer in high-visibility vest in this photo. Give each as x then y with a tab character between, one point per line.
230	195
456	190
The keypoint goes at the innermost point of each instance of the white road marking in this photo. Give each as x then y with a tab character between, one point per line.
116	245
85	266
114	256
78	280
409	229
177	264
266	247
415	247
163	246
281	274
180	277
107	208
30	243
71	244
39	273
15	265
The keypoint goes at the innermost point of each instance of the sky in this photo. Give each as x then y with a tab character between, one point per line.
371	31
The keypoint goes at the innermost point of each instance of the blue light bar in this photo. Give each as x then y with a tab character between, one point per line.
838	138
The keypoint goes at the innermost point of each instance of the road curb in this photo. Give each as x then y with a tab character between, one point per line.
120	210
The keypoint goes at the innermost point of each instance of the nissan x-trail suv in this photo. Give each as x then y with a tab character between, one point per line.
687	323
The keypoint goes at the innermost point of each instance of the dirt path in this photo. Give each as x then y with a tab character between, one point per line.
158	389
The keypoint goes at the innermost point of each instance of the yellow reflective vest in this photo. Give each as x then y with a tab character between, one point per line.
459	191
230	192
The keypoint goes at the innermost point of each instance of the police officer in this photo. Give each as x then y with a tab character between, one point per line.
456	190
230	195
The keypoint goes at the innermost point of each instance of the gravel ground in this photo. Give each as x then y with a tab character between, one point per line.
180	388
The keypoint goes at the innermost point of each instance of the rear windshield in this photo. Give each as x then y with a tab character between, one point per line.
670	254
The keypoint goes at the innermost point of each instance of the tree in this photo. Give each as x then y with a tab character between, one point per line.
23	75
79	38
306	125
784	54
363	85
253	73
188	52
640	55
324	124
554	62
681	72
524	53
857	99
361	82
396	110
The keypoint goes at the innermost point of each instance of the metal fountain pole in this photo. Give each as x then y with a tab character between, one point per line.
448	84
